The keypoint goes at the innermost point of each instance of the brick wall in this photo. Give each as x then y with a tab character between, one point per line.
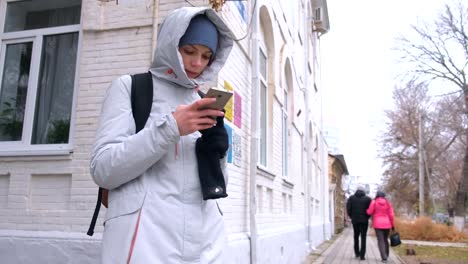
119	39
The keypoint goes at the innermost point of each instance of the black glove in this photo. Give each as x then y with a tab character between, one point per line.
210	148
216	138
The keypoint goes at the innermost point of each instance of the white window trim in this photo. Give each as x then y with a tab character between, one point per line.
23	148
41	32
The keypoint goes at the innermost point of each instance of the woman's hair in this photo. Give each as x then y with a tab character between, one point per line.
380	194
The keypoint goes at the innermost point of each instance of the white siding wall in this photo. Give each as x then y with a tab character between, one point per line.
118	39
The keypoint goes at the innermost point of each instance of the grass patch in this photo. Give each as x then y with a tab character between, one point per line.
433	254
423	228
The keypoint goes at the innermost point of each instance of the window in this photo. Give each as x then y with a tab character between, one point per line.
287	116
39	46
269	192
263	108
284	129
285	203
265	59
259	199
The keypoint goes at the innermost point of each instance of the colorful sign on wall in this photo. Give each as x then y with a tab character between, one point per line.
234	114
229	106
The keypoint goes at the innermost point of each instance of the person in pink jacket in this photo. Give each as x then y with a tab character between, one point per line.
381	211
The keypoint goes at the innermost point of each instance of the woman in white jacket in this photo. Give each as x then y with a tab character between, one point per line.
157	212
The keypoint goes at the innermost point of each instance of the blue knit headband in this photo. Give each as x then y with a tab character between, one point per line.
201	31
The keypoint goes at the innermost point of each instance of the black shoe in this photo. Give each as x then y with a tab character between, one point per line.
363	258
384	260
357	256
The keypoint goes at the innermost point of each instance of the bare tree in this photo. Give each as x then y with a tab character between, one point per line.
399	147
445	147
442	147
441	52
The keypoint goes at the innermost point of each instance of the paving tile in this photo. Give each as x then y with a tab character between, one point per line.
342	252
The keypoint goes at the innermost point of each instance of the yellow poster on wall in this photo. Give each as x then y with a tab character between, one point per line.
230	105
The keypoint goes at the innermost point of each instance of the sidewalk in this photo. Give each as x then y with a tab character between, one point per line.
341	251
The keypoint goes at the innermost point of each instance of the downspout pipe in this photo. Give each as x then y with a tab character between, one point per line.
155	28
254	138
323	154
307	130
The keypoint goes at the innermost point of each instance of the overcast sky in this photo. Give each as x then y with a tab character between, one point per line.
358	70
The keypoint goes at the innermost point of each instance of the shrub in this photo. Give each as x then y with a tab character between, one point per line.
423	228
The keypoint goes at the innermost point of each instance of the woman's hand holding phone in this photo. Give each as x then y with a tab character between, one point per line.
222	98
196	116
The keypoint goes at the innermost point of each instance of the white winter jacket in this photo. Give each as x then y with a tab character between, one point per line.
156	212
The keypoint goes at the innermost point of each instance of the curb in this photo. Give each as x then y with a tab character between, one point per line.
434	243
398	257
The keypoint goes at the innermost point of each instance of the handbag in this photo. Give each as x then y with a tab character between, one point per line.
395	239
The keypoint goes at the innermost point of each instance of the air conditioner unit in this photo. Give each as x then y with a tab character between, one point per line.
319	24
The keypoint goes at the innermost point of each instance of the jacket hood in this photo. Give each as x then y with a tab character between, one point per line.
359	193
381	202
167	63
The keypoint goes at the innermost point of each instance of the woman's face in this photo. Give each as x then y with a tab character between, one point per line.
196	58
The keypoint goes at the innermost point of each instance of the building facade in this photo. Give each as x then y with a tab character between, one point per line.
337	173
58	57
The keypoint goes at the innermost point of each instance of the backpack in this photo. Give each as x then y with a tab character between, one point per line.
141	98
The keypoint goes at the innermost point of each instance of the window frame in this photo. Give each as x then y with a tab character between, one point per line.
24	147
263	81
285	130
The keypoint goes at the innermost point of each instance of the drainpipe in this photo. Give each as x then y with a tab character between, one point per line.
307	129
254	120
325	203
324	160
155	28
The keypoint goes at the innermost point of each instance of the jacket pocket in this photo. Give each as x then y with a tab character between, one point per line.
126	204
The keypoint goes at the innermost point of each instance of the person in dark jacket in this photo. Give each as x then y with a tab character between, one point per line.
356	208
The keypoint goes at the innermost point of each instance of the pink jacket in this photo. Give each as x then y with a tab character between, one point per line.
381	211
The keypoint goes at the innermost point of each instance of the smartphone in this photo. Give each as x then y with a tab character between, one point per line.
222	97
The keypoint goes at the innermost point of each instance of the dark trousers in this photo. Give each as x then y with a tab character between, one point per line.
382	241
360	229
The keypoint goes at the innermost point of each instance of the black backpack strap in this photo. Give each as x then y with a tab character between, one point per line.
142	98
95	214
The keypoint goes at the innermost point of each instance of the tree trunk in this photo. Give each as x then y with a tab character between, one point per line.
462	193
